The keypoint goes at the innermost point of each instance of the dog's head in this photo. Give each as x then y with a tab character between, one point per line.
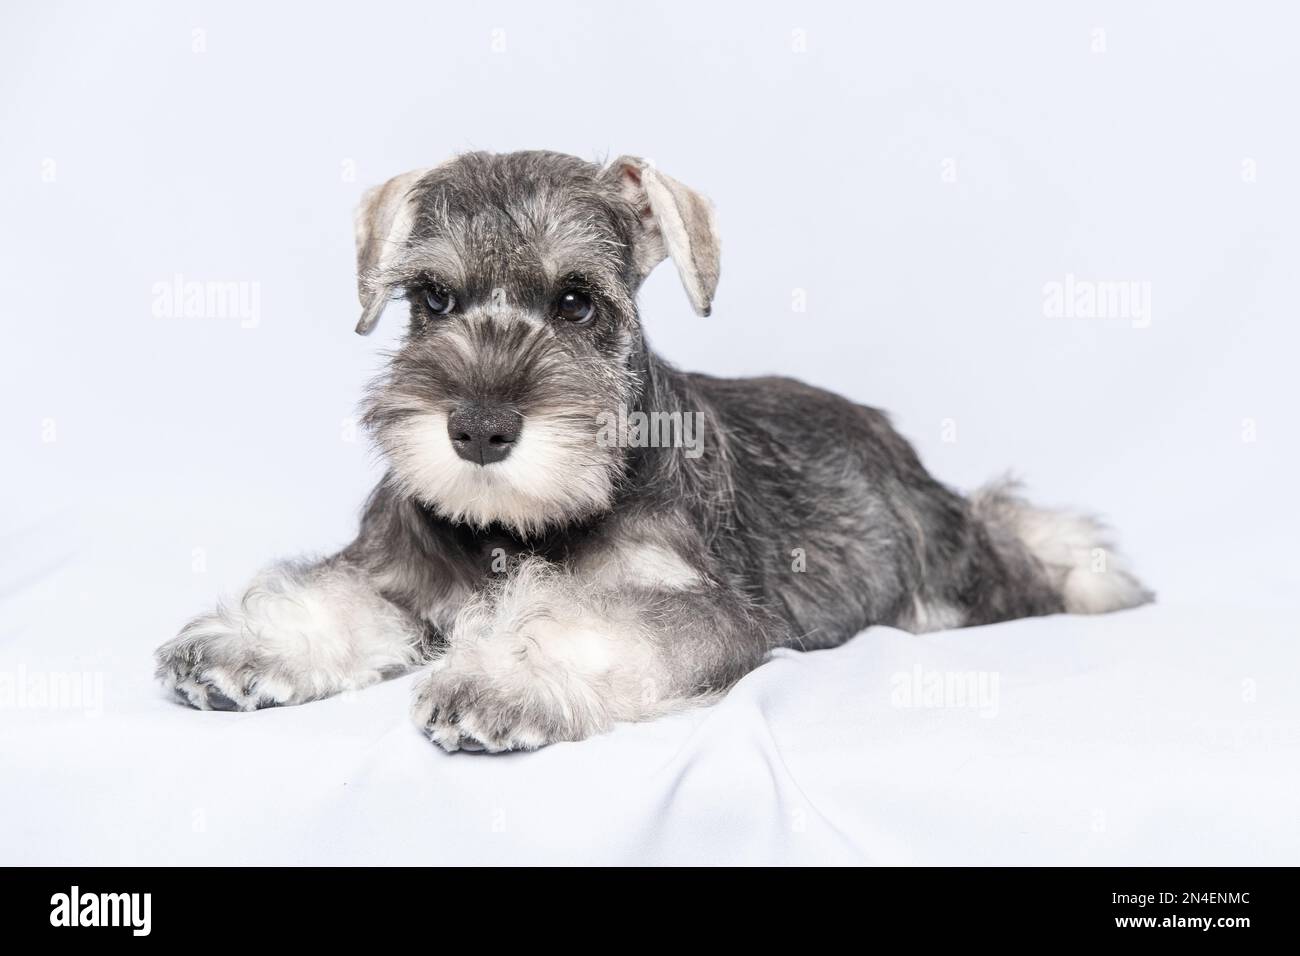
521	272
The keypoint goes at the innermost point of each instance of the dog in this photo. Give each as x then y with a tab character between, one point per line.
556	567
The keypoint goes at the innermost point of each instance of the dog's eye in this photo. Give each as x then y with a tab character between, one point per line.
439	300
574	306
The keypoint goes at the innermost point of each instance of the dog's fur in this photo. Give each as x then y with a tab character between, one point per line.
581	582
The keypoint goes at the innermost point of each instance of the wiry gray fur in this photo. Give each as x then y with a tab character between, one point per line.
623	581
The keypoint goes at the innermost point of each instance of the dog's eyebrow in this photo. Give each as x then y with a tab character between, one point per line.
436	256
578	245
587	255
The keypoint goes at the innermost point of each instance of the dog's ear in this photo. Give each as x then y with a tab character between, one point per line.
675	221
383	222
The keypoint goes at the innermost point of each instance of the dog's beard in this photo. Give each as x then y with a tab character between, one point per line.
556	473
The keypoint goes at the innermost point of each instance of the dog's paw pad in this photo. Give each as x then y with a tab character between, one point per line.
463	712
206	691
219	701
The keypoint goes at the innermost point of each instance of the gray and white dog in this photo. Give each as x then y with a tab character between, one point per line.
556	571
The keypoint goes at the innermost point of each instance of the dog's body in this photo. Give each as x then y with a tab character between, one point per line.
560	574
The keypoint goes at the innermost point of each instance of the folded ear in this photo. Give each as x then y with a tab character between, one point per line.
675	221
383	222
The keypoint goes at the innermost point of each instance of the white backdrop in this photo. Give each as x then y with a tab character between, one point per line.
898	185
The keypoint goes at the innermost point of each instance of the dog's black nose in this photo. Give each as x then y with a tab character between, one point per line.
483	433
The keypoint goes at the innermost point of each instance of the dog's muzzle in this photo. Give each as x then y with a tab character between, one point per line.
484	433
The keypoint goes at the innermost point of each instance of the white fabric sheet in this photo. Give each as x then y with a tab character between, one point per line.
1163	735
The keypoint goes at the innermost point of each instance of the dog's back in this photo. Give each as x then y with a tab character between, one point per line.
838	524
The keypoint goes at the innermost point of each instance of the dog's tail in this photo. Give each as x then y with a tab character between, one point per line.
1075	550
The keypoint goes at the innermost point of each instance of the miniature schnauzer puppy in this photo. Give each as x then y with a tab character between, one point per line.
556	570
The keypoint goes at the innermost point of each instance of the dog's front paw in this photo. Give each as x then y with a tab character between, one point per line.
510	692
212	665
460	710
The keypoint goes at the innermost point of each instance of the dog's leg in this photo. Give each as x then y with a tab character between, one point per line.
554	655
300	632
